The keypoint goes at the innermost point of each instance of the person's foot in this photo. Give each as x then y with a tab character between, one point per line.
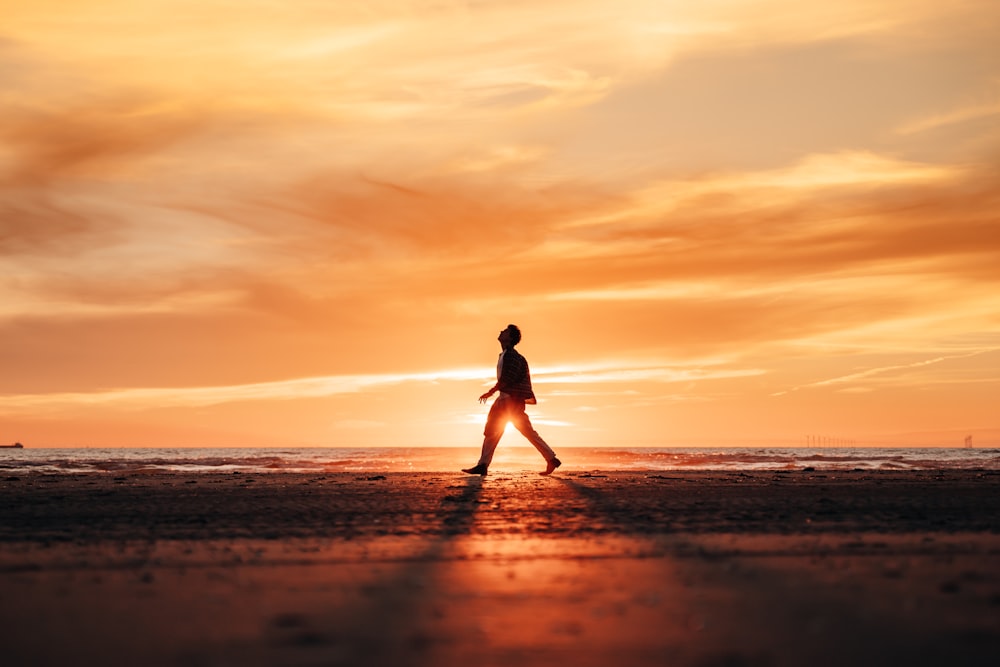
476	470
552	465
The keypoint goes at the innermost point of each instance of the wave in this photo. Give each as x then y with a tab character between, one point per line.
329	460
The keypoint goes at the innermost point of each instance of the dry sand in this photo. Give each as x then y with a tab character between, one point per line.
622	568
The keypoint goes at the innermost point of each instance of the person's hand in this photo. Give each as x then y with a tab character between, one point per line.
482	399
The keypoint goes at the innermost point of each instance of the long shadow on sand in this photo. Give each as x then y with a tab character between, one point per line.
388	626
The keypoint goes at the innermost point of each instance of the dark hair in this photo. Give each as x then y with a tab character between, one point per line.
515	334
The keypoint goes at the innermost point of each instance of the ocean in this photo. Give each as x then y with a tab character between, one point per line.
429	459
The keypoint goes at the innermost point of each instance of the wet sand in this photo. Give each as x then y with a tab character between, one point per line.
616	568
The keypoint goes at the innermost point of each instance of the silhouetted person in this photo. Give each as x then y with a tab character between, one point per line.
514	385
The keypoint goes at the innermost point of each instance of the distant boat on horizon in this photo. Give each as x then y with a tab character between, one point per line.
16	445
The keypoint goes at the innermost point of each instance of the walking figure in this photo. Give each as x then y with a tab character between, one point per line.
514	385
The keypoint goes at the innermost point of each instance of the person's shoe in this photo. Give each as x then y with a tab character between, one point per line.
553	464
476	470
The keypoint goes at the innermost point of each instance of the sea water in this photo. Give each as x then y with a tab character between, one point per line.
435	459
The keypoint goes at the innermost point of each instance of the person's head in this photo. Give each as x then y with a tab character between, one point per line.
510	336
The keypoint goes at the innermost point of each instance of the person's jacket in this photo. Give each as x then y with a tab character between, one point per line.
515	378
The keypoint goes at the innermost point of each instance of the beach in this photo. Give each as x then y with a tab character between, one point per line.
778	567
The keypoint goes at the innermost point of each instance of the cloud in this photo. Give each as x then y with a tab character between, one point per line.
96	138
827	214
871	372
633	376
59	160
301	388
954	117
434	218
333	385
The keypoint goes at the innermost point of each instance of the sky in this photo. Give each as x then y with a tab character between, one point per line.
274	223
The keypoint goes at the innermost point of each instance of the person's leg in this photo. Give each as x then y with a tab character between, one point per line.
521	422
496	422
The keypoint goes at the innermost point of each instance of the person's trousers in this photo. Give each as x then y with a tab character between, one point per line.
510	409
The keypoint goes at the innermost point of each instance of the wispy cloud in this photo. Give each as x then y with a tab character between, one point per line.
332	385
301	388
637	375
954	117
867	373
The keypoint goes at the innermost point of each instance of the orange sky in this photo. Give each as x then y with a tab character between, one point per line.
255	222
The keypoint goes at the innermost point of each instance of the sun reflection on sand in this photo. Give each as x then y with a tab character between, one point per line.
532	596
